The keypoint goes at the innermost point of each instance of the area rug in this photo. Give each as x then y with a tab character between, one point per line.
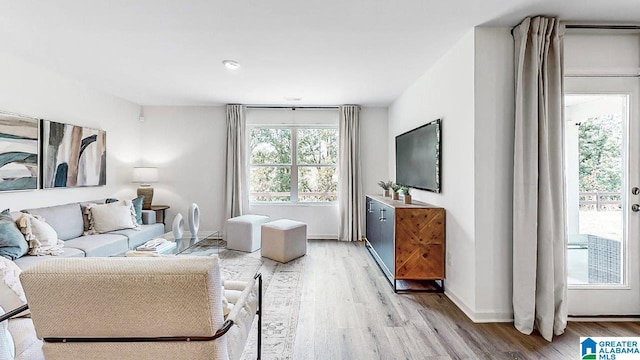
281	296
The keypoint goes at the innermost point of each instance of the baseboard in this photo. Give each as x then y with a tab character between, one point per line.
322	237
478	317
605	318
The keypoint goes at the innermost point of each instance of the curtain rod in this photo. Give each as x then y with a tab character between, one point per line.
595	27
293	107
603	27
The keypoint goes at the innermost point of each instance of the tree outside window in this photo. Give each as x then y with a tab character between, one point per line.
282	172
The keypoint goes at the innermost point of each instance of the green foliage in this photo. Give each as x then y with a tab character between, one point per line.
405	190
600	144
270	146
317	146
395	187
271	160
321	179
385	185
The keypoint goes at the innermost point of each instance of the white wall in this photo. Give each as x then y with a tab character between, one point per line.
188	144
446	91
374	148
494	128
31	90
471	89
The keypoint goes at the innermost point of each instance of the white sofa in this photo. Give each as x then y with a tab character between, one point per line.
68	222
171	305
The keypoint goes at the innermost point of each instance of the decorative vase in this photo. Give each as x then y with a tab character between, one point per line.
178	226
407	199
386	193
194	218
395	196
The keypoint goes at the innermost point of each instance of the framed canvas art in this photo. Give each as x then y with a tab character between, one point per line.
18	152
73	156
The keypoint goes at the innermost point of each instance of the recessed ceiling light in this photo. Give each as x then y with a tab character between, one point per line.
293	98
231	64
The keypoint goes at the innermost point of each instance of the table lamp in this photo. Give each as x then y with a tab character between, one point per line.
145	176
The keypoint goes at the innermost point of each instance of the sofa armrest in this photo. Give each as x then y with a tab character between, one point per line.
148	217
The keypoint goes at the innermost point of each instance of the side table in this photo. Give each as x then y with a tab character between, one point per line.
160	212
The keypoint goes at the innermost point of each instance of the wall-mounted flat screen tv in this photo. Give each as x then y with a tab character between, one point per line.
418	157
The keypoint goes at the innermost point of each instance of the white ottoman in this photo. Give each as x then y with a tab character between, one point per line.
284	240
243	232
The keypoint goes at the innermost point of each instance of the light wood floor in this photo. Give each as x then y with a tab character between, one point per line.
349	311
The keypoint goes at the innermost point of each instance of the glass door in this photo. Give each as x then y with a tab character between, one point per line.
602	160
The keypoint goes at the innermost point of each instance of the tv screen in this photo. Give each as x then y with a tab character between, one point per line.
418	157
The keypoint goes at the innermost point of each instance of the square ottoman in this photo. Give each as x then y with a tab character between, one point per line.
243	232
284	240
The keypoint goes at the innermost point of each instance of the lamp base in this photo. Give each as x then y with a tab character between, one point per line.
147	192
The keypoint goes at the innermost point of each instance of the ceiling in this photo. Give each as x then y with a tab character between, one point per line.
169	52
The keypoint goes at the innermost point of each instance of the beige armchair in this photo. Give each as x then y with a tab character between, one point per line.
137	308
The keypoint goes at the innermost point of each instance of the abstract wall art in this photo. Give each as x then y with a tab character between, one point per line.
73	155
18	152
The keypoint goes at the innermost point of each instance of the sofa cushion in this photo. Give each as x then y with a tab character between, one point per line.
66	220
12	242
100	244
28	261
139	237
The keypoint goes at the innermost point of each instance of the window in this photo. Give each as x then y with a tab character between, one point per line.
293	164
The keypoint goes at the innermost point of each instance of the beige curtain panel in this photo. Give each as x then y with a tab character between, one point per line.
350	201
235	181
539	224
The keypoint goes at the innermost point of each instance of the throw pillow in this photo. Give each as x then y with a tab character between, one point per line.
7	347
11	292
137	206
42	238
85	217
12	242
110	217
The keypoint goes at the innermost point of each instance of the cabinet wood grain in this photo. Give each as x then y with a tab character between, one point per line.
408	240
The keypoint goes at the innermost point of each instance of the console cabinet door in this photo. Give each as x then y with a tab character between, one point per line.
387	225
373	224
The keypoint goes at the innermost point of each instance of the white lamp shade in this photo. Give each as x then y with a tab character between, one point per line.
145	175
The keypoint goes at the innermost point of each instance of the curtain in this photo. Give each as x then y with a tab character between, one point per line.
350	181
539	217
235	182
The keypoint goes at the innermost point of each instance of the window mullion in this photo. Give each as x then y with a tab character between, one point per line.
294	165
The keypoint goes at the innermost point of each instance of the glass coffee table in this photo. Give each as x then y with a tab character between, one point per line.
187	242
190	240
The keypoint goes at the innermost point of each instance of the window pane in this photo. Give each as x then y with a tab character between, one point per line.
270	183
317	146
594	144
270	146
317	184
